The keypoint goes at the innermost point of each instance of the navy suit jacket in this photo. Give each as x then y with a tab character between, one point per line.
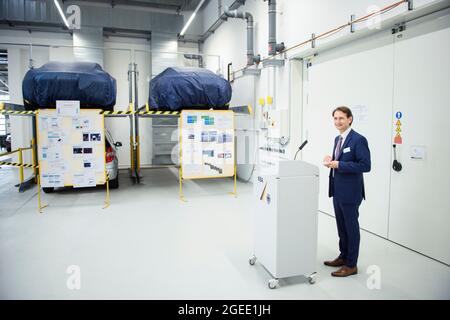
347	184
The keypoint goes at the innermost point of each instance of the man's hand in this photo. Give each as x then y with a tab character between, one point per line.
327	160
332	164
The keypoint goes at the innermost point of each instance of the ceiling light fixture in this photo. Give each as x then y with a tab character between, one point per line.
61	13
183	31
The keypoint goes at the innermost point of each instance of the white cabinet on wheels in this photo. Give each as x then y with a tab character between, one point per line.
285	215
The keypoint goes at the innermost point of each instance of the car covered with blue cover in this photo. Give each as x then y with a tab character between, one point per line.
188	88
83	81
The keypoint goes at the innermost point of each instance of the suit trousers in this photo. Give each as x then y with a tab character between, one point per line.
348	230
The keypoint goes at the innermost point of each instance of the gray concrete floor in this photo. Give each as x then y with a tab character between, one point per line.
150	245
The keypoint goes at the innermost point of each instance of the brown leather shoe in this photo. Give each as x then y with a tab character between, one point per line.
345	272
338	262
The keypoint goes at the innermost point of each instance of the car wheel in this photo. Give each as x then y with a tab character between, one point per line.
48	190
114	184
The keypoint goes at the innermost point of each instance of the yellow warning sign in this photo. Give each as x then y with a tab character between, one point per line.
398	138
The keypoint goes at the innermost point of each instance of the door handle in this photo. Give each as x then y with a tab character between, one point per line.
397	166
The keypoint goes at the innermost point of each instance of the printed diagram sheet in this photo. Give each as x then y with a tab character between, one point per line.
207	144
71	146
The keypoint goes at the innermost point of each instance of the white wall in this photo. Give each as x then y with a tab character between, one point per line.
88	37
296	21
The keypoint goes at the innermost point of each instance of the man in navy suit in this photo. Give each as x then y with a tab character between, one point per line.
351	157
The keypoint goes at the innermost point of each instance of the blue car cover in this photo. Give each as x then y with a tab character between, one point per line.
194	88
83	81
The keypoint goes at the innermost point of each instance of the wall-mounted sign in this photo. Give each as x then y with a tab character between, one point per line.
398	137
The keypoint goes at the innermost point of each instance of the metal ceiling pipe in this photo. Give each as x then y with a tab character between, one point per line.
195	57
251	57
274	47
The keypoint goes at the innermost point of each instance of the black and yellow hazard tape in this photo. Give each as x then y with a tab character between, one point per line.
12	112
106	113
140	113
116	113
15	164
159	113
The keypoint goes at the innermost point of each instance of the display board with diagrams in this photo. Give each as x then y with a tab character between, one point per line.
71	147
207	144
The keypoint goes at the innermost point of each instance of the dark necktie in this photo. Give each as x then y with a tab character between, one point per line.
338	148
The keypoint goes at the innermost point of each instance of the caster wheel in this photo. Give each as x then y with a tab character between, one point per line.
273	283
312	279
252	260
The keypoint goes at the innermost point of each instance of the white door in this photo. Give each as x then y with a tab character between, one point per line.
420	193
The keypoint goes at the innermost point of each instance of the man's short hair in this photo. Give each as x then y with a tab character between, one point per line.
345	110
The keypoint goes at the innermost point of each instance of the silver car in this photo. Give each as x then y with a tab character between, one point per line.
112	163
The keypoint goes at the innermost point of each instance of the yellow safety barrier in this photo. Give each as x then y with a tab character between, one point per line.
34	158
107	193
25	165
106	113
116	113
39	195
12	112
16	164
20	164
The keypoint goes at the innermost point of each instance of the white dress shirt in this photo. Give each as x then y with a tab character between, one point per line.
344	136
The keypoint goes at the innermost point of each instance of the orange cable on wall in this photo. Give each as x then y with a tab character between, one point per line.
334	31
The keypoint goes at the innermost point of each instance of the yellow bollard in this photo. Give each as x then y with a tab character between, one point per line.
39	195
180	176
20	162
33	159
107	193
